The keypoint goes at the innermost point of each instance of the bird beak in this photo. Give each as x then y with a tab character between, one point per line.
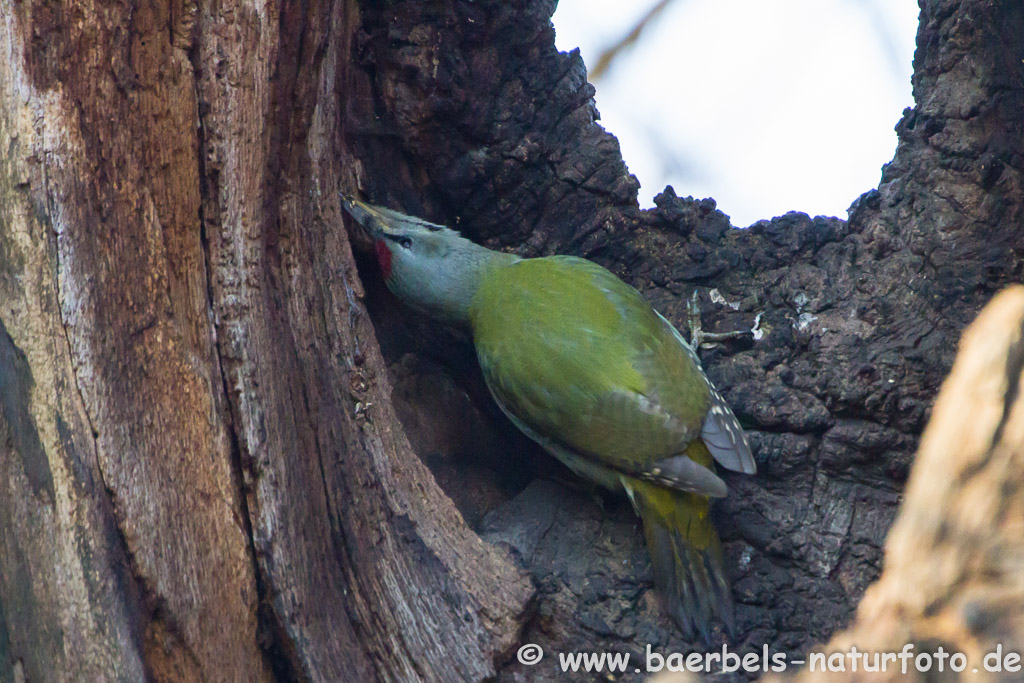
367	215
378	221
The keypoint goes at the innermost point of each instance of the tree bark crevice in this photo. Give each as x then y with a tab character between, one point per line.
858	318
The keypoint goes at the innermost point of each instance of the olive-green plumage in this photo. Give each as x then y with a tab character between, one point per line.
583	365
567	347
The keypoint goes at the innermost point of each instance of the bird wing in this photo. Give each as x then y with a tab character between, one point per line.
576	355
721	431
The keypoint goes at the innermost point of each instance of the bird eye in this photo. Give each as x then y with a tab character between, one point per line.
406	243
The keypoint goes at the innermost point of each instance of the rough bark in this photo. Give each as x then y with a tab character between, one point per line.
954	562
203	477
203	472
487	128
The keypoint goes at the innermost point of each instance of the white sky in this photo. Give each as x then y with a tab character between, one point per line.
766	105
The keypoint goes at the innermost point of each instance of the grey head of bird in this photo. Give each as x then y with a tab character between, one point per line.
430	267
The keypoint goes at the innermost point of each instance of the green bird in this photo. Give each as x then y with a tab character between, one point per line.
583	365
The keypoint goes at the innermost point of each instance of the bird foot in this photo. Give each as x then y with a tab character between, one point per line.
708	340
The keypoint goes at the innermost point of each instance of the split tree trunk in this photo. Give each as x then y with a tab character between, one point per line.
202	471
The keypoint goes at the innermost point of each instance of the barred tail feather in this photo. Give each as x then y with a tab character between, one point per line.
686	557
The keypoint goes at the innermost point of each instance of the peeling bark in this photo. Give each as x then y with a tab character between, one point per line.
204	476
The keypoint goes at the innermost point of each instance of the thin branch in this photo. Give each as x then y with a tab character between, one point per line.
605	60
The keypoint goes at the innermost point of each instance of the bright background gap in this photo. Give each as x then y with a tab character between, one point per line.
766	105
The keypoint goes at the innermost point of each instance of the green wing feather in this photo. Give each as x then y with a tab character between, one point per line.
580	357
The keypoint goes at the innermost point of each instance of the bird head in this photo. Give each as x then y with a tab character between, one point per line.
430	267
402	243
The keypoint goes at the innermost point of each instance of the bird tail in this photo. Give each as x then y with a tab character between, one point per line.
686	556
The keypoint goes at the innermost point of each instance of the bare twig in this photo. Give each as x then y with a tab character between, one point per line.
606	58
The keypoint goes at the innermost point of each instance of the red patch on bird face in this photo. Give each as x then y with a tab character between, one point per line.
383	258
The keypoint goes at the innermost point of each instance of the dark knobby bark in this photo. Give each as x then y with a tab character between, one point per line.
953	563
485	126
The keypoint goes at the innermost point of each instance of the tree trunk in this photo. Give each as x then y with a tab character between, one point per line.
857	321
954	562
203	467
203	476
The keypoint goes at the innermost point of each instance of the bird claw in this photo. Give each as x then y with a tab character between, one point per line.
699	339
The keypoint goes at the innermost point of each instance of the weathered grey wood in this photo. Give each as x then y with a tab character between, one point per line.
202	475
138	558
343	514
